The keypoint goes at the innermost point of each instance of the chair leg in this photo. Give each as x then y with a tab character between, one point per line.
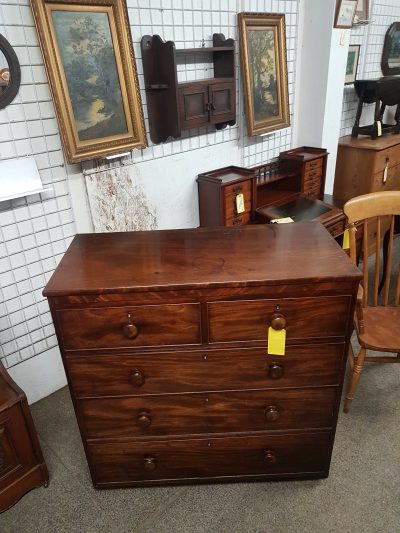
355	376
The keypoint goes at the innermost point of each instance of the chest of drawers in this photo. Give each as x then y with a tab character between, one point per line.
164	341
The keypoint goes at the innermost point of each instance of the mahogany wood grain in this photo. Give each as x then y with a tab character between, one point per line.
105	327
305	317
211	412
206	370
191	459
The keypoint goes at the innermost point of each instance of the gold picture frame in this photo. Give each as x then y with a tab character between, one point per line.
264	71
91	69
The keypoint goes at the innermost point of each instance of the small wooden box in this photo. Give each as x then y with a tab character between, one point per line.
218	191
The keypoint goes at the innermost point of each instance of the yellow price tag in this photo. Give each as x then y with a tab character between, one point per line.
276	341
240	203
346	240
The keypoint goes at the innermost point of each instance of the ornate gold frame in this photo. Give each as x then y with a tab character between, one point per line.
76	149
277	23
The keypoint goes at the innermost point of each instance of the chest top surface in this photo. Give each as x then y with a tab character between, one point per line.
199	258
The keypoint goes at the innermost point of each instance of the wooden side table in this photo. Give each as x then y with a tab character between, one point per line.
22	466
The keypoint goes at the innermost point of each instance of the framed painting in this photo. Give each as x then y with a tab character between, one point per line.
352	63
345	12
91	68
264	71
362	12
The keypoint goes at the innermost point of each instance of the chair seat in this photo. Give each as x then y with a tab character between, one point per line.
382	329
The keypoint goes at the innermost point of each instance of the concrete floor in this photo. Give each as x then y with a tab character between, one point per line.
362	493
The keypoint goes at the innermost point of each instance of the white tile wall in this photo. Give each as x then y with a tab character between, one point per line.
371	38
34	231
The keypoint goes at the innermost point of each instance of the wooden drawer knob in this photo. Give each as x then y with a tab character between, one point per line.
272	413
137	378
275	371
278	321
143	420
130	330
150	464
269	457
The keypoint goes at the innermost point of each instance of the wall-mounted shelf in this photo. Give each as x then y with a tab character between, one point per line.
175	106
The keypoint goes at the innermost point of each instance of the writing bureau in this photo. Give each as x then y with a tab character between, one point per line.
163	336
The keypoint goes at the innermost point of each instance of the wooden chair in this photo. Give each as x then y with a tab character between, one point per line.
377	318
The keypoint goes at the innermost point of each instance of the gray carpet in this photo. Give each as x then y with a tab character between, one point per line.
362	493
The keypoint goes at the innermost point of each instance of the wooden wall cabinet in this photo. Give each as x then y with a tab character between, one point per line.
163	336
218	191
175	106
22	466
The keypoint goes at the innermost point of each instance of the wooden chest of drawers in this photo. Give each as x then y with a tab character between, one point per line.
164	341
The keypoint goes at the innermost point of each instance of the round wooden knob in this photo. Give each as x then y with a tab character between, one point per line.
269	457
137	378
272	413
130	331
150	464
143	420
278	321
275	371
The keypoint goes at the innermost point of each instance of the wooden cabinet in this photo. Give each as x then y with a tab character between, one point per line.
227	196
364	165
310	165
22	466
177	106
163	336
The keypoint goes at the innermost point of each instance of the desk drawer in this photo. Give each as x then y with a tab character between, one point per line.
392	182
155	373
191	459
230	193
314	165
389	156
305	317
110	327
211	412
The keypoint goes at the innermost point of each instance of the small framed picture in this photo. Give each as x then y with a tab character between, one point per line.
362	12
352	63
345	11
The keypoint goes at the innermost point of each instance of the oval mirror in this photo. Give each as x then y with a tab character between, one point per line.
10	73
391	51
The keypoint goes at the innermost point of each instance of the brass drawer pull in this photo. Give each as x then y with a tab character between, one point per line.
137	378
143	420
275	371
150	464
270	457
278	321
129	329
272	413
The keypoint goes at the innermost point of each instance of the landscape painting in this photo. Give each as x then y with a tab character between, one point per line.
87	54
264	71
89	60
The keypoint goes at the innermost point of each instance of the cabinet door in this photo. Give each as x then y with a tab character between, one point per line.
193	105
222	102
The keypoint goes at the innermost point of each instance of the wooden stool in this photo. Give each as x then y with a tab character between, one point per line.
22	466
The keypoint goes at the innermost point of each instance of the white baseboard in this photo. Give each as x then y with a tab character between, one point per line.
41	375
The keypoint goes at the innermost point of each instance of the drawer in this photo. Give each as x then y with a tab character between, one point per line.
225	457
311	166
238	220
337	228
390	156
392	182
113	327
211	412
141	374
230	193
305	318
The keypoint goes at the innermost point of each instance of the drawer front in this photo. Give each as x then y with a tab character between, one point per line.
337	228
230	193
111	327
311	166
391	183
390	157
211	412
141	374
238	220
191	459
305	317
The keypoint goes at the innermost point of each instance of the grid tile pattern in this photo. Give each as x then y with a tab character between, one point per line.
371	38
34	231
